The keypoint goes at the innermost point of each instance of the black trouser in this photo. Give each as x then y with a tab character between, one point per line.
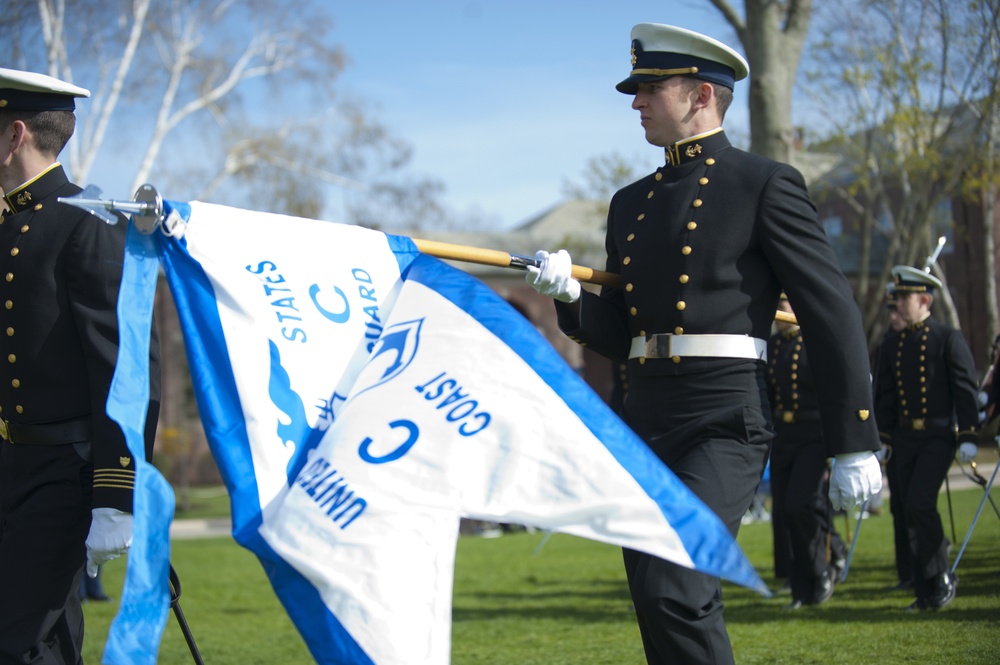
923	460
710	429
798	470
901	539
45	500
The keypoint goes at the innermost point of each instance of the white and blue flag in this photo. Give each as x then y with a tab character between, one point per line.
359	399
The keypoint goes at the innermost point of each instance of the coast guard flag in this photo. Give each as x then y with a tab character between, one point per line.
360	398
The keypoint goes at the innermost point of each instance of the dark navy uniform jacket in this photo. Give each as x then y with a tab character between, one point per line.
789	382
60	269
926	382
705	245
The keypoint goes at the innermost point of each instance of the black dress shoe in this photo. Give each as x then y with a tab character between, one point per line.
794	605
945	586
99	598
823	588
838	563
916	606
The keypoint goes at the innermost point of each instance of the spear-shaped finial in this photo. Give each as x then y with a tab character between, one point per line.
146	207
932	259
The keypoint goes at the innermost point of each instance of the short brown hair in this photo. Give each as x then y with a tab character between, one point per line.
50	130
723	95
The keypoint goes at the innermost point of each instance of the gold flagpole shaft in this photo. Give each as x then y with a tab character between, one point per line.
501	259
496	257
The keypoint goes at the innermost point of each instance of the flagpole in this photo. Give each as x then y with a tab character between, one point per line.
501	259
147	211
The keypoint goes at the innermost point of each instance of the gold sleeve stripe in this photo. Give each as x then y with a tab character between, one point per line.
114	472
125	476
118	486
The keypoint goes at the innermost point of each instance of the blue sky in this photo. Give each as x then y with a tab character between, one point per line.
506	101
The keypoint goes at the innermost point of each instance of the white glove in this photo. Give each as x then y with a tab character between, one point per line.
967	452
884	453
110	536
554	277
855	478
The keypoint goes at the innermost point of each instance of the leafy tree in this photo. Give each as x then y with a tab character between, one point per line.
910	106
235	100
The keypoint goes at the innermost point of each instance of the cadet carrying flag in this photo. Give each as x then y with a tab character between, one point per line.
359	399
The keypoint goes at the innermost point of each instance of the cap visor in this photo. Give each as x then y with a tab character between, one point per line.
631	85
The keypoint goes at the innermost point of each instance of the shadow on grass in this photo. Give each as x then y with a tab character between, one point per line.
596	601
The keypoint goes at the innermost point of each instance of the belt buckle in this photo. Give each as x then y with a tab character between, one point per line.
918	424
658	345
4	430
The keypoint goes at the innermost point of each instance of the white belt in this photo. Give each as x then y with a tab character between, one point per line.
665	345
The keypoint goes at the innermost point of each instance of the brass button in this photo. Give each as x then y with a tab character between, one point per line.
678	330
641	217
650	195
659	176
633	311
16	383
629	287
11	358
627	260
710	161
10	277
10	332
676	359
703	181
9	304
642	361
630	237
681	305
24	229
685	250
692	226
38	206
15	251
684	279
19	408
696	203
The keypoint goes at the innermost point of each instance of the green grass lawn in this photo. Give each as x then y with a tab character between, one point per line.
566	603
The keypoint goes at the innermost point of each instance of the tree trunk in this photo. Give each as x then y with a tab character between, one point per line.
772	36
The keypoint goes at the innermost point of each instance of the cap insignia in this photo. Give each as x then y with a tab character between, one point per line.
124	461
693	150
633	54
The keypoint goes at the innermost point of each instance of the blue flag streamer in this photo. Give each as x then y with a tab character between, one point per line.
135	633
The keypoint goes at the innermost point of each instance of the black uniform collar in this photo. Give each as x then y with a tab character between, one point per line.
696	147
38	188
